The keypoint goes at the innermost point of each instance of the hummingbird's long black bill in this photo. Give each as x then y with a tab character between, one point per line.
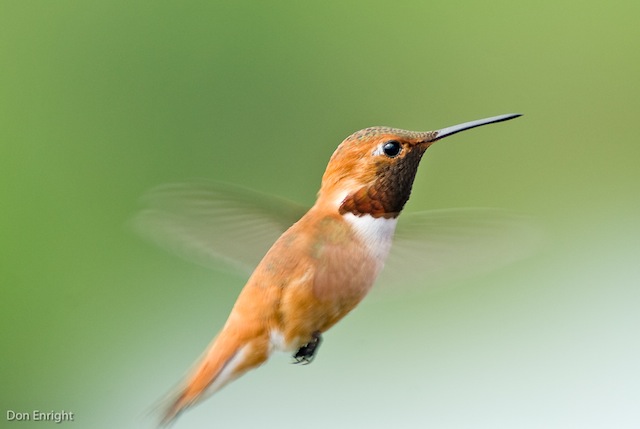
448	131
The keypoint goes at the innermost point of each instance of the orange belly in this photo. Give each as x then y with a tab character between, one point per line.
315	274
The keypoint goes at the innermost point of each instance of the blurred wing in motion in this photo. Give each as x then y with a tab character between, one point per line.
435	247
215	224
224	226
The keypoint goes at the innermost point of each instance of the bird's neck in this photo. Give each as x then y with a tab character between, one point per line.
373	226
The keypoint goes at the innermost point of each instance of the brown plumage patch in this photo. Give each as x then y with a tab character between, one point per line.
389	193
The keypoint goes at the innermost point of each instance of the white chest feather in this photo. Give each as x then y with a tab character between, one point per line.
375	233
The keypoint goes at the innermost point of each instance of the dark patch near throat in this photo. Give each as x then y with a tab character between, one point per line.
389	193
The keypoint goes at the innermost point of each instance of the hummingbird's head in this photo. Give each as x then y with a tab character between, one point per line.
372	171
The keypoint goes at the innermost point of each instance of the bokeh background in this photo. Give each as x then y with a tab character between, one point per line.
100	101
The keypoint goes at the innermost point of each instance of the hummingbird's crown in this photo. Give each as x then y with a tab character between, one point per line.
373	132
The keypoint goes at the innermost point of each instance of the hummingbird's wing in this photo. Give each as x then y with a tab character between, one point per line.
440	246
215	224
227	226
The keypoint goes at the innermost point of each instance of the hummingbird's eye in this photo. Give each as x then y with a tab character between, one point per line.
391	148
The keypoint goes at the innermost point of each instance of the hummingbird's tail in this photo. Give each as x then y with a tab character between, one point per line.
227	358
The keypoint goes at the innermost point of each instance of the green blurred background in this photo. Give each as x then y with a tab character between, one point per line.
100	101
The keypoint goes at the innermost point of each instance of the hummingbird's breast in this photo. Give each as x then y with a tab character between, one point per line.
347	253
316	273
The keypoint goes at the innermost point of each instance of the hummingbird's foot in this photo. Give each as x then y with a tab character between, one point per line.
307	353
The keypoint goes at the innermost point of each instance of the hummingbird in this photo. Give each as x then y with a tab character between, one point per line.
323	265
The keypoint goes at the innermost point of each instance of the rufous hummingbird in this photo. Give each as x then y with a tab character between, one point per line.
324	264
